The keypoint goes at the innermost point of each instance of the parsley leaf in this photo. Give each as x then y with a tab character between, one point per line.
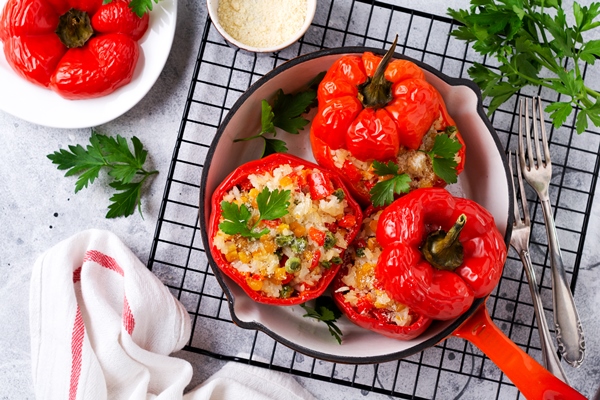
326	311
271	205
266	118
141	7
534	43
383	192
288	110
125	201
442	157
237	219
114	155
559	111
273	146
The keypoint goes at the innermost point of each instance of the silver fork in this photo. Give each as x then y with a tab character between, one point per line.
538	172
520	241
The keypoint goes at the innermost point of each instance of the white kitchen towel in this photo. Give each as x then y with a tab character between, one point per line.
103	326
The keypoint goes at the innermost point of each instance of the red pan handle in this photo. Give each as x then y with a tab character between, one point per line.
532	380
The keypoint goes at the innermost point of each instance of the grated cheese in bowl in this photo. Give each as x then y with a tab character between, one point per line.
261	25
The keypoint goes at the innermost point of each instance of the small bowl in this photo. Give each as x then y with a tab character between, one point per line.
213	6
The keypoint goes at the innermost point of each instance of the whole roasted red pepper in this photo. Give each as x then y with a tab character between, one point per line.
439	252
363	298
377	109
314	243
78	48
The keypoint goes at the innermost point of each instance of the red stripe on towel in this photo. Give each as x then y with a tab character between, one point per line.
76	350
128	319
109	263
77	275
103	260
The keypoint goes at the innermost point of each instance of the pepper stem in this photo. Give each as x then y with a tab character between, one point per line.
376	92
443	250
74	28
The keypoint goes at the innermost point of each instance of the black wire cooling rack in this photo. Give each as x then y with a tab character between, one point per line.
177	256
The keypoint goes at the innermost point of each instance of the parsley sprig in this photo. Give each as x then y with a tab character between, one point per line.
442	157
140	7
535	44
326	311
271	205
383	192
112	154
286	113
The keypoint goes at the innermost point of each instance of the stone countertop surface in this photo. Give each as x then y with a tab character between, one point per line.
38	208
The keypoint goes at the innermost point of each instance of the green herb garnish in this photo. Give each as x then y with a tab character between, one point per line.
288	110
326	311
330	241
339	193
383	192
299	245
140	7
336	260
286	114
271	205
536	44
442	157
286	291
114	155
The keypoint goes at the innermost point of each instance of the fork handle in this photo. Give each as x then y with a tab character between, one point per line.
569	332
549	356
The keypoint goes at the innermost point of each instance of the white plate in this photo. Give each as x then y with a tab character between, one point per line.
41	106
485	180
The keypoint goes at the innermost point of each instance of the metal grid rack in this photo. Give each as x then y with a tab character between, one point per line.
177	255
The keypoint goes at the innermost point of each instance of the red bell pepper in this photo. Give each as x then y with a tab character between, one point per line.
303	245
439	252
377	109
363	298
78	48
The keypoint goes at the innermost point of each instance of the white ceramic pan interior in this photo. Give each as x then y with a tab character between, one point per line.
485	180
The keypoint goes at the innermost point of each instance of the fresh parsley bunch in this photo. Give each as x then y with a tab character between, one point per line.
535	45
114	155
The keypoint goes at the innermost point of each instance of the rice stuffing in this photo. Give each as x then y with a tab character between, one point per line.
310	235
361	289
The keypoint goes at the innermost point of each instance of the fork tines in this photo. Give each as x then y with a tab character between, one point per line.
518	219
537	113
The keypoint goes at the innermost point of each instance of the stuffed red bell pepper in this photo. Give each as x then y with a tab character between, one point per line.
78	48
439	252
382	110
279	227
362	297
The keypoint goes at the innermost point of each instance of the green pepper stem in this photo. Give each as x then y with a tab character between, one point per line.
376	92
74	28
443	250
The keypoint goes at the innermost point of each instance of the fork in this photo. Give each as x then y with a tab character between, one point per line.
519	240
538	172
